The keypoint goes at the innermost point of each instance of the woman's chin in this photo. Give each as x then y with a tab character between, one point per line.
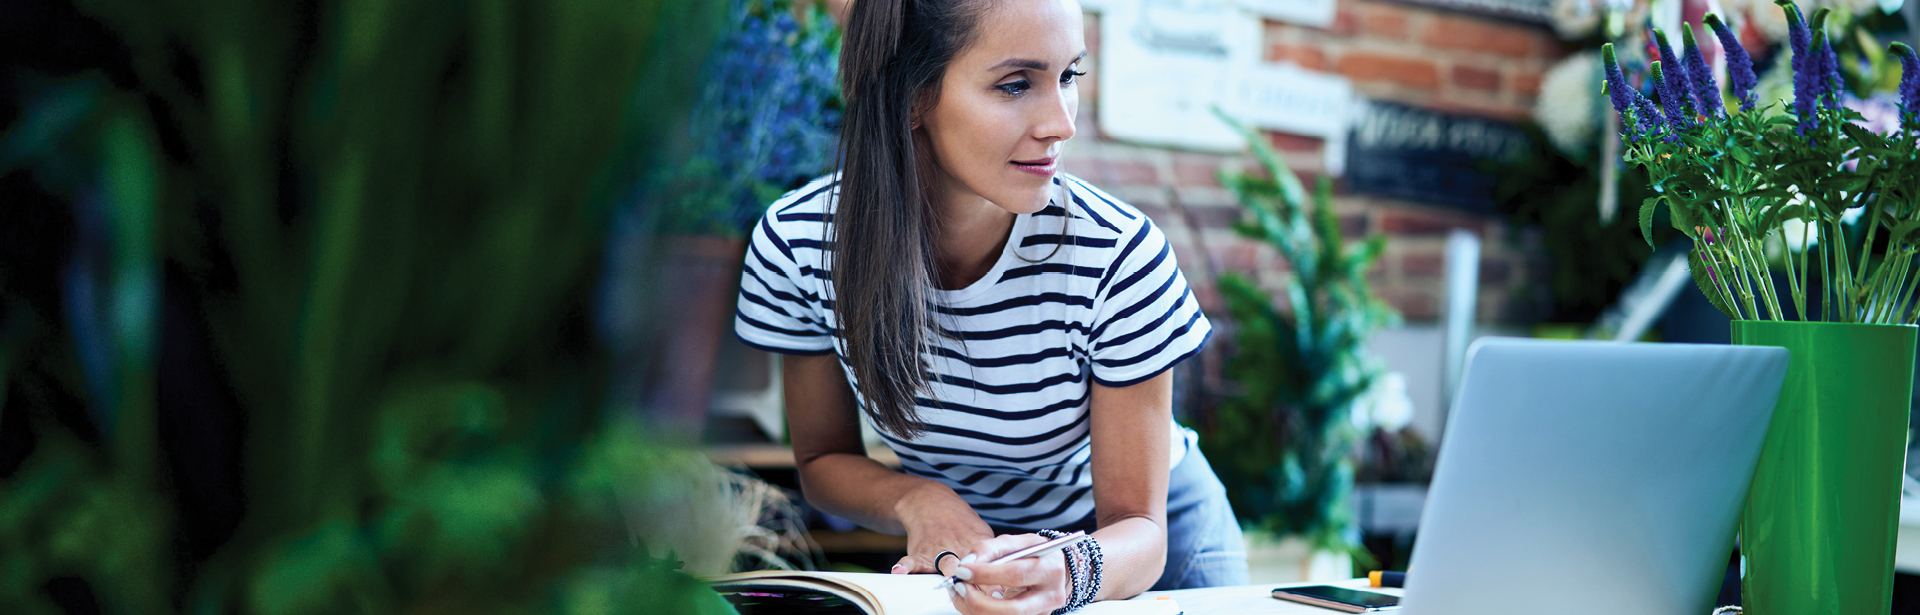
1024	204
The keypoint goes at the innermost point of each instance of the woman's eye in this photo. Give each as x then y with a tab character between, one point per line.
1070	76
1015	88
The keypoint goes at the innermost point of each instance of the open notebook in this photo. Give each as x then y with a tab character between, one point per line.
875	594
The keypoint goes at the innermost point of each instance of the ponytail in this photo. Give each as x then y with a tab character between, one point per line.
891	63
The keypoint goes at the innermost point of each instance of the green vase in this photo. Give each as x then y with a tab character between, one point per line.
1818	531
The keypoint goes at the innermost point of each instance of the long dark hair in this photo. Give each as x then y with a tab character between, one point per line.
891	63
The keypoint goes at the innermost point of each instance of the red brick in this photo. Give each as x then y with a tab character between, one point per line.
1162	216
1474	77
1196	170
1425	264
1499	111
1344	22
1526	83
1413	72
1495	271
1415	222
1213	217
1209	297
1238	255
1134	173
1413	303
1084	167
1296	144
1471	34
1384	21
1353	226
1307	56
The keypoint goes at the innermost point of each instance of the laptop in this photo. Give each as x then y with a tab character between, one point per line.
1592	478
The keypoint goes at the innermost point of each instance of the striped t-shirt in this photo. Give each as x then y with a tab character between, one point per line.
1007	418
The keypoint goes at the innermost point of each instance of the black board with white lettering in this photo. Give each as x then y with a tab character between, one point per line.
1429	156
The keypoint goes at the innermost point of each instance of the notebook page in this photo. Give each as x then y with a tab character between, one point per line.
920	594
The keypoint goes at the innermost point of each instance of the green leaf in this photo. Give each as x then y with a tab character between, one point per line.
1901	231
1705	281
1646	217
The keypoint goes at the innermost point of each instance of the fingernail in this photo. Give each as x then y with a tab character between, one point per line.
964	573
960	588
997	595
897	568
968	559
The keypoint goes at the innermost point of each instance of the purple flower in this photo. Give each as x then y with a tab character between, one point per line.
1701	76
1806	89
1798	36
1828	65
1672	95
1637	113
1647	119
1909	84
1740	75
1680	109
1618	90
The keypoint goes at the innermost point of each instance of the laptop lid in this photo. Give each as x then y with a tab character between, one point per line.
1596	478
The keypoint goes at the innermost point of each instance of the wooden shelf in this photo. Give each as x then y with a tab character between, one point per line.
860	540
775	456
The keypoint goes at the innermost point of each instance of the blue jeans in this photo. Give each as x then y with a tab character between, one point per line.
1204	547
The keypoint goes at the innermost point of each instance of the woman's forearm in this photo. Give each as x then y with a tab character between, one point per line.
861	490
1133	554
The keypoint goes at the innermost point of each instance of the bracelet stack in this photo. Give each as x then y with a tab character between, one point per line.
1083	571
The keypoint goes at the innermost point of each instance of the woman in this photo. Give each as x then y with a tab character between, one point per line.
1009	329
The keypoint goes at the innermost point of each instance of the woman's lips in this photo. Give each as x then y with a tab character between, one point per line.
1043	167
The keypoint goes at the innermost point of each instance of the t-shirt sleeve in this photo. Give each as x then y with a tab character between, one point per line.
779	306
1146	319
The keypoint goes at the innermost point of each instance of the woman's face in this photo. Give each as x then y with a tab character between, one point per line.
1006	104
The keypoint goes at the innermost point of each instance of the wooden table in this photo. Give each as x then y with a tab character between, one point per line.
776	456
1252	599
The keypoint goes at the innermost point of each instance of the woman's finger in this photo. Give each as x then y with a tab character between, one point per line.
987	550
1047	569
977	600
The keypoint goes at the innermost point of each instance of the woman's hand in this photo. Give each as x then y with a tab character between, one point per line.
937	520
1027	586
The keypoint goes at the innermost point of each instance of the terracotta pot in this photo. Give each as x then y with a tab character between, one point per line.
698	280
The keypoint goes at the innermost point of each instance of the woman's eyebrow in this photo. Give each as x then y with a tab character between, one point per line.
1031	64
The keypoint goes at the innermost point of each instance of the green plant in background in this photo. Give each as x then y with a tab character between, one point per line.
1285	440
384	222
1591	261
1735	179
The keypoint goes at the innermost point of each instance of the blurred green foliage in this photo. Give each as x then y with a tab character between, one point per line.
387	219
1285	438
1591	261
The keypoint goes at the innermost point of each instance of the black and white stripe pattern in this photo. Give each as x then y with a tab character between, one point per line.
1086	291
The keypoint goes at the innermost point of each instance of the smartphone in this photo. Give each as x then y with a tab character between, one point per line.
1339	598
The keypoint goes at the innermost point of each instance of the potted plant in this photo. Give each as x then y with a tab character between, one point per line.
1284	440
1836	202
766	121
318	343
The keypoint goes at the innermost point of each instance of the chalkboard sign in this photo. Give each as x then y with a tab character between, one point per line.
1528	10
1424	155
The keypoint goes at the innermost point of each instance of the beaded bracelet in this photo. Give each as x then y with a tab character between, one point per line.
1083	572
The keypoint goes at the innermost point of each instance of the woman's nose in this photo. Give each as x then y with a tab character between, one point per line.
1056	116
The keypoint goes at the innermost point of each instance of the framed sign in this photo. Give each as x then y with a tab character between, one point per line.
1429	156
1166	64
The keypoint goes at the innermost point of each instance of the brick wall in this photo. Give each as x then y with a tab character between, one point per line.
1427	57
